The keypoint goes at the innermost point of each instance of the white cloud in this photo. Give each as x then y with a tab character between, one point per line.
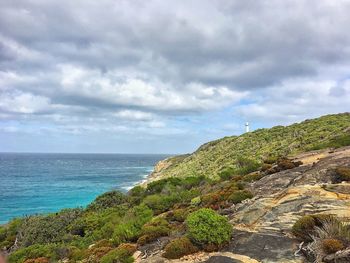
295	100
23	103
150	94
153	67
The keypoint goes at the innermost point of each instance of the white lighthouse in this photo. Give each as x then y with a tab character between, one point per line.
247	127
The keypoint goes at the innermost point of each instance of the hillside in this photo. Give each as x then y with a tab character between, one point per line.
262	207
214	157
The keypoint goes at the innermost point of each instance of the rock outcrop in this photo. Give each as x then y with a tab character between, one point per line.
262	225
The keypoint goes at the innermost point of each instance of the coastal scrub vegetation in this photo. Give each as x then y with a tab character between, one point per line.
186	206
221	158
178	208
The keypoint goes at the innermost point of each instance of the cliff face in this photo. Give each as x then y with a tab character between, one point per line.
163	165
263	224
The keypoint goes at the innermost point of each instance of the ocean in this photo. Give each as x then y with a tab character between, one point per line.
43	183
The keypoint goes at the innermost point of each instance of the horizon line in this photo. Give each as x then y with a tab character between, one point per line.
14	152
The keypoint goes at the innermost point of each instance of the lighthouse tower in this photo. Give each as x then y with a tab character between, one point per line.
247	127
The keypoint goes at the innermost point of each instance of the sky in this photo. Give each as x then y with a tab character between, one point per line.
159	76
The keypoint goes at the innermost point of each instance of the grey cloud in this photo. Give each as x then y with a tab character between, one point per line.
189	56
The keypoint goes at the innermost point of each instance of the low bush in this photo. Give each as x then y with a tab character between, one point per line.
213	198
95	254
158	227
270	160
239	196
47	229
265	167
246	166
103	243
226	173
118	255
156	187
211	247
304	228
37	260
205	226
107	200
192	181
342	174
178	215
131	248
178	248
130	227
161	203
8	233
33	252
196	201
332	236
252	177
330	246
136	194
337	142
285	164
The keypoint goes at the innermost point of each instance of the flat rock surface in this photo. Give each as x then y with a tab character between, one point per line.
222	259
265	247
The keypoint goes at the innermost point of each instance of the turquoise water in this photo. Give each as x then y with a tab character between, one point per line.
42	183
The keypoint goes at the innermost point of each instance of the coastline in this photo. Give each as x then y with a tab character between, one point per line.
156	173
82	183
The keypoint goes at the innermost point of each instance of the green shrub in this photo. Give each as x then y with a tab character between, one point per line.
227	173
196	201
161	203
47	229
270	160
118	255
337	142
178	248
304	228
156	187
192	181
156	228
8	233
178	215
130	227
246	165
131	248
103	243
107	200
33	252
205	226
239	196
136	194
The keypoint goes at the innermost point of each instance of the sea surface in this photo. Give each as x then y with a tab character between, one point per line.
43	183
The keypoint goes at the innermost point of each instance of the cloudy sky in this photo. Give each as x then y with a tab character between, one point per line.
165	76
